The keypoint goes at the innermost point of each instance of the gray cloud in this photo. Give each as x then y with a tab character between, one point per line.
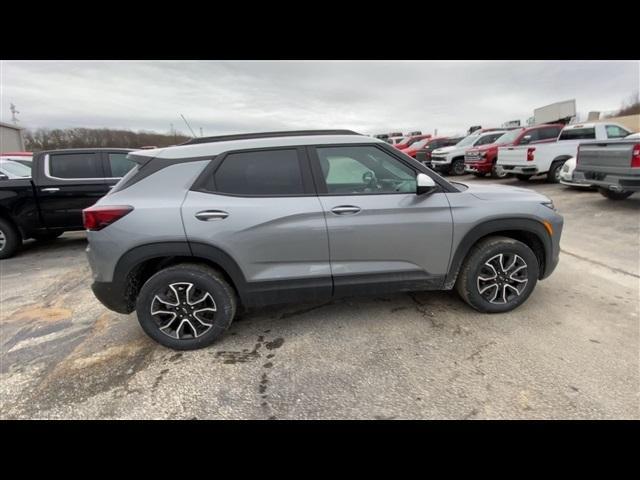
243	96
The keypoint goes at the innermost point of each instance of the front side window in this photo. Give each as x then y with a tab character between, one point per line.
75	166
614	131
120	164
364	170
269	172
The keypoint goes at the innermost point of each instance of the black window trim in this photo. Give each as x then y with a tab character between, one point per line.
409	162
206	179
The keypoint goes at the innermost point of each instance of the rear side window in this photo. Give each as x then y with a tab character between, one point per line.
578	134
272	172
614	131
75	165
120	164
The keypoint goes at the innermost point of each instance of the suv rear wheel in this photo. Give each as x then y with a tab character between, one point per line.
498	275
186	306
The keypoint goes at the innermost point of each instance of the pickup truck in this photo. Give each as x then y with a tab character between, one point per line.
62	184
613	167
451	159
548	159
483	160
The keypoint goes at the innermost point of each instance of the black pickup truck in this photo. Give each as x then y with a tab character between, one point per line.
62	184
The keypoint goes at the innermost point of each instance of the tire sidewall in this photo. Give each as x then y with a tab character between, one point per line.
11	237
222	294
477	300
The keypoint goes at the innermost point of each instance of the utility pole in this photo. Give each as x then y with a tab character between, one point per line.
14	111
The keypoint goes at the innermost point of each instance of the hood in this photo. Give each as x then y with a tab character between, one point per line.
505	193
443	150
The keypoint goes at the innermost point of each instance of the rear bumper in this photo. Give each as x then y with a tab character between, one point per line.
520	169
619	183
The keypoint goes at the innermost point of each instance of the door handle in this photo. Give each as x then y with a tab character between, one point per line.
50	189
345	210
209	215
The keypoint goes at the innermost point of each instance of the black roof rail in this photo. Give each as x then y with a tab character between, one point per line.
248	136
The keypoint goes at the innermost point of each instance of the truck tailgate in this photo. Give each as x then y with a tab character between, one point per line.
512	156
611	156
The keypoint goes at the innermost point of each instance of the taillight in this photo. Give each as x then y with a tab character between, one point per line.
98	217
635	156
530	151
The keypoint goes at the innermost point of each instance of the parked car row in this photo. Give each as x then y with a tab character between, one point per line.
47	199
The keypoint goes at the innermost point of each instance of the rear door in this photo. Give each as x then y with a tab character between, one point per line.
382	236
259	207
69	183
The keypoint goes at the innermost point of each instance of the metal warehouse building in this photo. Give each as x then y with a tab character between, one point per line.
11	138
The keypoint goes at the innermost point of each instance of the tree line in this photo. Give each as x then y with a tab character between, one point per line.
53	139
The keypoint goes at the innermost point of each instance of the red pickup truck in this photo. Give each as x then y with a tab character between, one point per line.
482	160
409	141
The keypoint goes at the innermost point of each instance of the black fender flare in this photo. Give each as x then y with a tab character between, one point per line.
143	253
481	230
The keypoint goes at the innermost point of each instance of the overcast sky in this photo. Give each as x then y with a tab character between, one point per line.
243	96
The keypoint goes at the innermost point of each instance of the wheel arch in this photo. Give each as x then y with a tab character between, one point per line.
529	231
136	266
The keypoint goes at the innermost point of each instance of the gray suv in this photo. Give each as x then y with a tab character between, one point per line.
196	231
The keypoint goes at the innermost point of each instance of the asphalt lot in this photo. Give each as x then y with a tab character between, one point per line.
572	351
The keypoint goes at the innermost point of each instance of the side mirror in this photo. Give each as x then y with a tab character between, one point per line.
526	139
424	184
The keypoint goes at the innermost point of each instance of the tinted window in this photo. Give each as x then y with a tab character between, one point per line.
273	172
75	165
578	134
613	131
364	170
487	139
548	133
120	164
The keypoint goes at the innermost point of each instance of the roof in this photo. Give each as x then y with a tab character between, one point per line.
11	125
101	149
247	136
292	139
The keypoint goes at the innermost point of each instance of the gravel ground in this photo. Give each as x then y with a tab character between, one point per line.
572	351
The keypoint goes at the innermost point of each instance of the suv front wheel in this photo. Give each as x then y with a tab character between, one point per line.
498	275
186	306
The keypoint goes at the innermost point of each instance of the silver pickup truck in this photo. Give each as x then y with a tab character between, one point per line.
613	166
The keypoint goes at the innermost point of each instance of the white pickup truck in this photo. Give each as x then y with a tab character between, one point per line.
525	161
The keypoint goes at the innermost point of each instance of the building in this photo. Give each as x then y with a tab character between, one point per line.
11	139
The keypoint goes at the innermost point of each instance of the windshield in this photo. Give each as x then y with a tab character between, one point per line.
467	141
14	169
509	137
419	144
487	139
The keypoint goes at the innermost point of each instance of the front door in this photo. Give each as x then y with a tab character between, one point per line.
382	236
72	181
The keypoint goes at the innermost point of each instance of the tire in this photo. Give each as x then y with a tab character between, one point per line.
523	178
10	239
457	167
553	175
477	292
498	172
611	195
47	237
198	330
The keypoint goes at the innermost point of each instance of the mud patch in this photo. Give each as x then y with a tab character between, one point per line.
277	343
39	314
